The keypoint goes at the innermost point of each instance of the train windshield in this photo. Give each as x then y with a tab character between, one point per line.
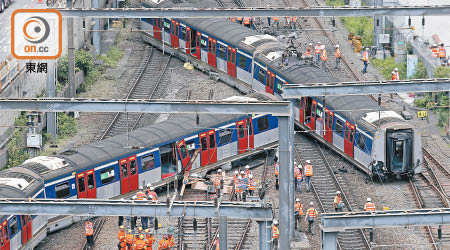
399	157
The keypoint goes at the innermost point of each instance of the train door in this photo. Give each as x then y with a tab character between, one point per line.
86	185
208	147
212	147
174	33
212	49
251	141
25	221
198	39
328	130
312	123
188	40
204	153
134	173
81	186
349	138
157	28
184	155
270	82
124	176
4	236
301	113
231	62
245	135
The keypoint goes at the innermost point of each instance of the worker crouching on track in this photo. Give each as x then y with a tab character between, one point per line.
298	212
337	203
89	232
275	235
307	56
121	237
311	216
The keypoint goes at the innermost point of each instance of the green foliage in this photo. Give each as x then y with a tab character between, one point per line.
425	102
112	57
335	2
17	153
66	125
361	26
386	66
421	71
90	79
442	72
83	62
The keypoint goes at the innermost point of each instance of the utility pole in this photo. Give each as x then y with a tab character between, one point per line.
96	33
71	51
51	92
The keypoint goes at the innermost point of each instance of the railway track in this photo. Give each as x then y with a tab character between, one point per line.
146	85
98	226
324	186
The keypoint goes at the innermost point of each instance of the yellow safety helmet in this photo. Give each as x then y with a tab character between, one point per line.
140	228
141	236
122	227
129	231
147	230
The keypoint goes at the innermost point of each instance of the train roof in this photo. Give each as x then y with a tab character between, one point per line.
19	182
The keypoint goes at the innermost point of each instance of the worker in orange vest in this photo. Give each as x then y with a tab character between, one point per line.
309	49
370	207
140	244
251	185
442	53
308	174
337	203
317	52
129	239
393	76
311	216
293	22
275	234
89	232
277	173
298	212
217	182
299	178
121	238
246	22
240	19
276	21
164	243
397	75
149	239
434	51
323	57
365	59
217	242
338	55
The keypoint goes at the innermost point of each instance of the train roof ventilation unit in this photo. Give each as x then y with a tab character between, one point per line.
52	163
256	40
15	182
272	55
373	117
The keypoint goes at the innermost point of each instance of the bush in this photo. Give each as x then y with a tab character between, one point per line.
66	125
421	71
442	72
361	26
17	152
83	62
386	66
112	57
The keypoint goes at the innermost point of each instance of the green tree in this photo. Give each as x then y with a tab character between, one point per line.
442	72
17	153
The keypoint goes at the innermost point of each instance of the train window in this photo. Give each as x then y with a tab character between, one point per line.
107	175
204	143
81	185
124	169
183	33
91	182
361	141
212	141
183	151
203	43
242	62
166	26
148	162
222	52
261	75
263	123
339	127
225	136
241	131
352	135
62	190
133	170
13	226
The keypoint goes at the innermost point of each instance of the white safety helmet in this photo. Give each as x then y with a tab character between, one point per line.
310	44
134	197
318	42
338	192
220	170
152	188
250	176
367	49
308	161
150	197
247	167
337	46
435	45
295	163
369	200
393	72
300	166
323	47
275	222
239	177
396	69
242	172
311	203
149	185
236	172
298	199
140	187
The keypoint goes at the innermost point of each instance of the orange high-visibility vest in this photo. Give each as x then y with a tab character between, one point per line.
434	52
337	53
217	181
299	175
239	18
275	18
129	238
299	208
323	56
217	244
394	77
121	236
365	56
89	228
308	170
308	51
317	49
140	244
140	196
337	200
293	19
397	76
442	52
246	20
163	244
369	206
275	232
312	212
277	171
150	240
251	185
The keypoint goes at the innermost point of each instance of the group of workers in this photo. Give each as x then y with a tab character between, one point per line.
244	184
319	53
143	239
439	52
300	174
